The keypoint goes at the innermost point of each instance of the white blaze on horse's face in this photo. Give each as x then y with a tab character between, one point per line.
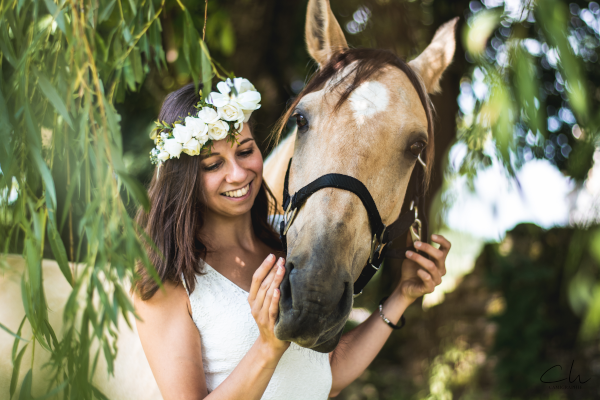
368	99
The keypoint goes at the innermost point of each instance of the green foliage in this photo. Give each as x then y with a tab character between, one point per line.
63	65
533	92
537	327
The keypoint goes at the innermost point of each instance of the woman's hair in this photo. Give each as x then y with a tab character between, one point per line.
177	211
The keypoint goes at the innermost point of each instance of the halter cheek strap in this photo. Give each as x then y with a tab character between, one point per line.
382	234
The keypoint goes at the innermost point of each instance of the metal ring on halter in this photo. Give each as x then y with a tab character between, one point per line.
289	218
421	161
357	294
415	235
376	245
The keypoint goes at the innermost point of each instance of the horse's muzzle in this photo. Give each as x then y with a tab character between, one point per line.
313	307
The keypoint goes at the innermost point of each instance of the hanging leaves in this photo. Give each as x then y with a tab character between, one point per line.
63	66
528	93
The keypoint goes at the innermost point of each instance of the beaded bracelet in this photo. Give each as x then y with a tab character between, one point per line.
387	321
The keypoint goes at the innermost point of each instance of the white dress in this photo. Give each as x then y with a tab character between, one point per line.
221	311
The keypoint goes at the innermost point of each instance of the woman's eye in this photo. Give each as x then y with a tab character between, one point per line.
246	152
211	167
417	148
301	121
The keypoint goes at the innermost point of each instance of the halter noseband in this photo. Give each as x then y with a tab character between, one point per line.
382	234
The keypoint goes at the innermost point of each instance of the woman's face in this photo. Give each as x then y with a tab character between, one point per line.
232	175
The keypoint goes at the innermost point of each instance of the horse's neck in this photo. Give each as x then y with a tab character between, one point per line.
275	166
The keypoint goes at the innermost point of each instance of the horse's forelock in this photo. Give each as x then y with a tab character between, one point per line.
367	63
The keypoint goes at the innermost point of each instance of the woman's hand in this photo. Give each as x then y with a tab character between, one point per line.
264	301
420	275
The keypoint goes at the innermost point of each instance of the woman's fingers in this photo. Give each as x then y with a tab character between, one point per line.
443	242
427	281
428	265
437	255
274	307
429	249
259	301
259	276
274	285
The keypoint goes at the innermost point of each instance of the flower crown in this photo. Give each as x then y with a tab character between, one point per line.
220	116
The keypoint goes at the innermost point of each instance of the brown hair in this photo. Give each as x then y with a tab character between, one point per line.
177	211
368	62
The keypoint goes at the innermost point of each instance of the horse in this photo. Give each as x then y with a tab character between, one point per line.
361	115
367	136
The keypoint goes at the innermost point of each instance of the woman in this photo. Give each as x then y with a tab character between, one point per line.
213	335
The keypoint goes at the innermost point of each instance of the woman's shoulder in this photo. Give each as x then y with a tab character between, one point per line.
170	298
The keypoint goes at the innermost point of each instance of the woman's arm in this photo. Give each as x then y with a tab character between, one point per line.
358	347
173	348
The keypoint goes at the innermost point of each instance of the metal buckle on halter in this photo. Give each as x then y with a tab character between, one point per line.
376	246
356	295
415	235
288	217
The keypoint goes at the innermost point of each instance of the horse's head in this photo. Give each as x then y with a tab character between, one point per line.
365	114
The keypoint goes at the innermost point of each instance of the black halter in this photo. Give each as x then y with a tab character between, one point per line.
382	235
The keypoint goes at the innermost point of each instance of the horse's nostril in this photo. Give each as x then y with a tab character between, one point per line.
341	308
286	287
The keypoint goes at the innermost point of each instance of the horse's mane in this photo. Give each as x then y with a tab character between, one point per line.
367	63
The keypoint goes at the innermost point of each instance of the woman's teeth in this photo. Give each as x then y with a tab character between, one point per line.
238	193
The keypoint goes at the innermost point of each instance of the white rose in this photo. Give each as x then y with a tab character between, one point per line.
192	147
182	133
203	138
249	100
173	147
217	99
243	85
218	130
224	86
239	126
196	126
230	112
226	95
221	98
163	155
247	114
208	115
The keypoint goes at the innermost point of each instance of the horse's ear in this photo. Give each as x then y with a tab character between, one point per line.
324	37
432	62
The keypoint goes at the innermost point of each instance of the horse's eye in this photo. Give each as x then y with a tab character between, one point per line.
417	148
301	121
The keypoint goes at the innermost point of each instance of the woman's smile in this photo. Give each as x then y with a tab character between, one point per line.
239	194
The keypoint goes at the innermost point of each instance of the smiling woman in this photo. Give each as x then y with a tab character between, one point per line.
180	199
210	332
